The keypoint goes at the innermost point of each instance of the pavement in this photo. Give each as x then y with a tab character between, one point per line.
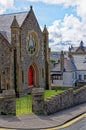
35	122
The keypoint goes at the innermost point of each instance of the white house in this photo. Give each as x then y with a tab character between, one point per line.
71	67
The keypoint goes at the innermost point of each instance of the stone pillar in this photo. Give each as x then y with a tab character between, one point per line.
9	102
38	101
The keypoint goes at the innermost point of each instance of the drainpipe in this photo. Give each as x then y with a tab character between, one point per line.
15	85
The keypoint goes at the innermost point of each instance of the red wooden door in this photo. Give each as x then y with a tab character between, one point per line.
30	76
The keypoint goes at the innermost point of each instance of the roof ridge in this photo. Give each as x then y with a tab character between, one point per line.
14	13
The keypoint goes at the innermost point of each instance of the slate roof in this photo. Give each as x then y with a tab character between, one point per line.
80	61
56	68
6	21
74	49
68	66
81	46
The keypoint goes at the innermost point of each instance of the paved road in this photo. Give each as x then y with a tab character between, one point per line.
80	125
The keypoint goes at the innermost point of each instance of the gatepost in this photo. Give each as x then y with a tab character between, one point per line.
8	102
38	101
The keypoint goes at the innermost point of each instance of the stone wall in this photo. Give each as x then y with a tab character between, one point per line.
64	100
79	96
5	63
38	100
8	102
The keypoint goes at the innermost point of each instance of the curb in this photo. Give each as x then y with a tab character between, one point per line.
48	128
53	128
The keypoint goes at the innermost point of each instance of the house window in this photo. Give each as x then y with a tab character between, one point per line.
56	77
84	77
80	77
73	75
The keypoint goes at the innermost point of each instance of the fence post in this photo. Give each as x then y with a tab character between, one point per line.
38	101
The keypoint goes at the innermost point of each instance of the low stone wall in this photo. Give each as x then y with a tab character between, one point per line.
8	102
64	100
79	96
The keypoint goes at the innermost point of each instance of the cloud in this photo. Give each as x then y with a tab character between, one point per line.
70	30
79	4
64	2
5	4
63	33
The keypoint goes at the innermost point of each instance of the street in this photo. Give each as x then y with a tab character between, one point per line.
80	125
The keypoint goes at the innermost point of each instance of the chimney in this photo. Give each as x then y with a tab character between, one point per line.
62	61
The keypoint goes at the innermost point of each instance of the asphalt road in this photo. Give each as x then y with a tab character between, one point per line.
79	125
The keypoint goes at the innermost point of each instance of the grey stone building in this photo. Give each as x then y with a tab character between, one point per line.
24	53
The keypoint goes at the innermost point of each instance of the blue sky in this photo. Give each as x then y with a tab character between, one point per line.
65	19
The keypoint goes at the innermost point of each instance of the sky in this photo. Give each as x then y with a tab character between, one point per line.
65	19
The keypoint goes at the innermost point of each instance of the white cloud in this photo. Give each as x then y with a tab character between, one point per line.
64	2
79	4
71	30
5	4
64	33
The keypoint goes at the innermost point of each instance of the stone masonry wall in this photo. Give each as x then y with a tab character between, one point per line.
31	25
64	100
79	96
8	102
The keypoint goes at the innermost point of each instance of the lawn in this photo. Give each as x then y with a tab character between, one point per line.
24	104
49	93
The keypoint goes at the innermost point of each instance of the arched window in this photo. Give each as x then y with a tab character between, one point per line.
42	73
22	76
0	81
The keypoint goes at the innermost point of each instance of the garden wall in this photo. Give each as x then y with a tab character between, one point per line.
65	100
8	102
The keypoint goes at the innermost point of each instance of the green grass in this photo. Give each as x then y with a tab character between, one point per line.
50	93
24	104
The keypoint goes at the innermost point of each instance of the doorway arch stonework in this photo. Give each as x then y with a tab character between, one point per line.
33	75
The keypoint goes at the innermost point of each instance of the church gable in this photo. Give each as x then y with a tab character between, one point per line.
30	22
80	50
31	36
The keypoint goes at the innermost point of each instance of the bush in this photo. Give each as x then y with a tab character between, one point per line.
52	60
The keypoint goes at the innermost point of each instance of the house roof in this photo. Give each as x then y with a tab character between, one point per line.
56	68
77	49
6	21
68	66
80	61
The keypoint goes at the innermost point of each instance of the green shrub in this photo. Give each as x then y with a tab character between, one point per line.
52	60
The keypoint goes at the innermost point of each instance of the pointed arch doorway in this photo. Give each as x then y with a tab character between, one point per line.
33	76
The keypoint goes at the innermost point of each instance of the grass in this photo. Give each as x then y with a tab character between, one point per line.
24	104
49	93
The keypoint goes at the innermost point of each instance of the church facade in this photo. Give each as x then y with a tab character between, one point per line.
24	53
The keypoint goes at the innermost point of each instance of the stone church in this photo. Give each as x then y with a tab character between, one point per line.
24	53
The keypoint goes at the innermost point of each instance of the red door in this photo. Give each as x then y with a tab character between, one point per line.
30	76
